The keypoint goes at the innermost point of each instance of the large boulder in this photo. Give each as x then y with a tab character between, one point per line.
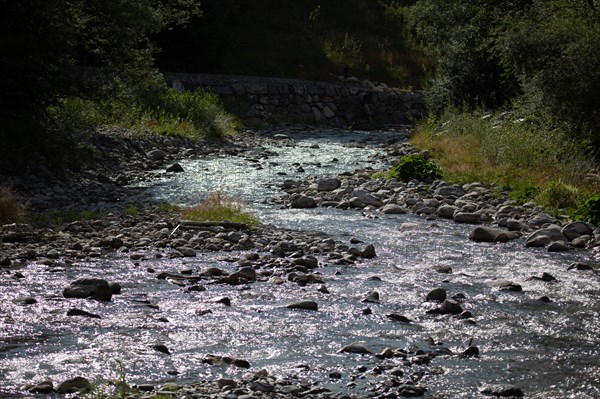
94	288
366	198
543	237
576	229
467	217
303	201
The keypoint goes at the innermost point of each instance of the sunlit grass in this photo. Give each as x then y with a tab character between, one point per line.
219	207
534	163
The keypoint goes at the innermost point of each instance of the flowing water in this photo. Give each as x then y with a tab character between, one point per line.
549	349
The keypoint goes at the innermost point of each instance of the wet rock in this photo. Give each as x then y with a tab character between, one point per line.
161	348
447	211
368	252
24	300
355	347
490	234
579	266
450	306
547	277
156	155
302	201
436	294
398	317
175	168
444	269
74	385
79	312
303	305
409	390
223	300
576	229
225	360
88	288
115	287
44	387
507	285
502	390
470	352
372	297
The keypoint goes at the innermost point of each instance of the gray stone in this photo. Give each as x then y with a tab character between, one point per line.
89	288
74	385
447	211
467	217
543	237
489	234
450	306
355	347
156	155
175	168
303	201
576	229
558	246
436	294
367	198
24	300
304	305
394	209
328	184
502	390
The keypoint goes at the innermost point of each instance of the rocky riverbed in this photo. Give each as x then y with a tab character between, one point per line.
136	229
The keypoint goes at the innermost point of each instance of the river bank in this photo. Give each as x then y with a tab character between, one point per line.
302	268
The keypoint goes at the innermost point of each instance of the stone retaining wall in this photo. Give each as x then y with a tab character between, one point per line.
342	103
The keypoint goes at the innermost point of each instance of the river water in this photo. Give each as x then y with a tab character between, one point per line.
549	349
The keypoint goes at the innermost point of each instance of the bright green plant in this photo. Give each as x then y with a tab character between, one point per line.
415	166
131	210
589	211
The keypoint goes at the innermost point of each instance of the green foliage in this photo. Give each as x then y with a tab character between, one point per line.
415	166
559	195
131	210
589	210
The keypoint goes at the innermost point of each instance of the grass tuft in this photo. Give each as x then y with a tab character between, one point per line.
218	207
11	209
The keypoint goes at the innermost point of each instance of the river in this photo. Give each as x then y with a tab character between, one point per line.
549	349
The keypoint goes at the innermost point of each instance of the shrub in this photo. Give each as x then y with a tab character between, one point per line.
558	194
589	211
219	207
11	210
415	166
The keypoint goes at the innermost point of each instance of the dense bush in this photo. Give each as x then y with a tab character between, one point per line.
415	166
590	210
11	209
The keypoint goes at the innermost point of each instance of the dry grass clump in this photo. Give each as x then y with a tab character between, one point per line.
218	207
11	210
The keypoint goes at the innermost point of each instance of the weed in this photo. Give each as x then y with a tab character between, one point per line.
414	166
220	207
11	209
131	210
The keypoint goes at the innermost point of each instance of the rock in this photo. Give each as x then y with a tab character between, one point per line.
447	211
576	229
507	285
444	269
543	237
156	155
302	201
355	347
467	217
450	306
115	287
368	252
175	168
280	136
393	209
502	390
246	273
74	385
436	294
398	317
24	300
367	198
303	305
470	351
161	348
490	234
579	266
372	297
79	312
223	300
547	277
328	184
89	288
558	246
44	387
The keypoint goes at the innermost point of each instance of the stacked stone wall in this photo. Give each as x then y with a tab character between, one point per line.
342	103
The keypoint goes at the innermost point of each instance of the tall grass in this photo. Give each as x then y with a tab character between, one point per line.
11	209
195	115
533	161
218	207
